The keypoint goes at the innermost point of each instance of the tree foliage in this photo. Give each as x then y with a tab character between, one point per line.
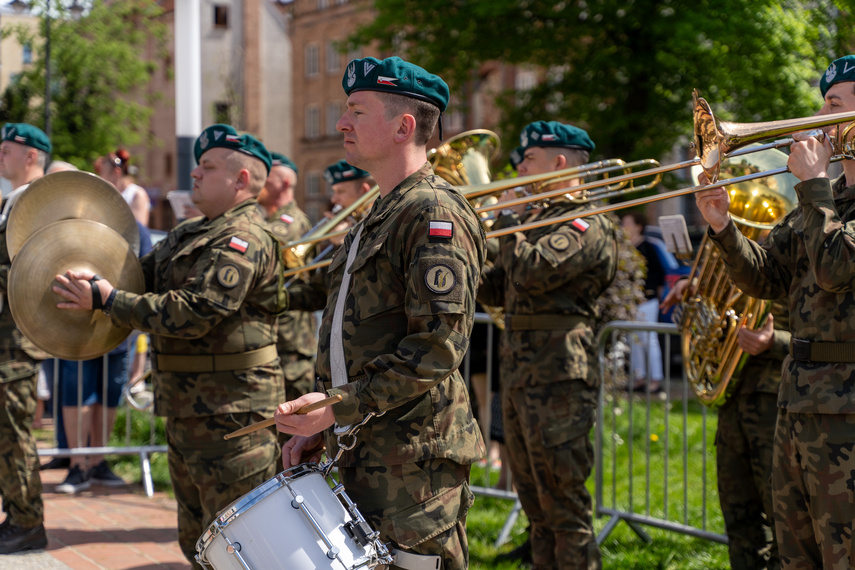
624	69
98	69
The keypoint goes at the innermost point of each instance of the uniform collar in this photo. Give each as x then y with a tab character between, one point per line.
381	208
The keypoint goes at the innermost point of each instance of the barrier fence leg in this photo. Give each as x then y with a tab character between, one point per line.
613	522
145	465
509	524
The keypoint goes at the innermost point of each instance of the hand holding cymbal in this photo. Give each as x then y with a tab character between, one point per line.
270	421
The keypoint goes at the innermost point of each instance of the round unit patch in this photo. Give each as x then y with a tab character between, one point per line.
279	229
440	279
559	242
228	275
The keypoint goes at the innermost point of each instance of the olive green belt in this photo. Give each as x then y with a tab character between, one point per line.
214	362
833	352
544	322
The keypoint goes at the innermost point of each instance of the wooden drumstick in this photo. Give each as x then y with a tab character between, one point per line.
270	421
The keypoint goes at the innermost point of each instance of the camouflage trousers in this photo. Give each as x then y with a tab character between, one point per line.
417	507
744	441
20	483
299	372
813	486
547	437
209	473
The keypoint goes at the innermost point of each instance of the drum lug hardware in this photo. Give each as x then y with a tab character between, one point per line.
234	546
361	532
297	501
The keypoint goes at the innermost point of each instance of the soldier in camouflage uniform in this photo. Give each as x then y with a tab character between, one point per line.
744	440
808	259
213	296
396	326
23	155
297	343
548	281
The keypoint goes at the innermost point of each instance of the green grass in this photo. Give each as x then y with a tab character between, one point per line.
622	548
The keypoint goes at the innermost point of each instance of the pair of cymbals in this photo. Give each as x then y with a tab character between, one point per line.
70	221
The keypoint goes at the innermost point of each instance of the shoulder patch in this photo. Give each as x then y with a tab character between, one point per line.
228	275
286	218
440	229
580	224
238	244
559	242
440	278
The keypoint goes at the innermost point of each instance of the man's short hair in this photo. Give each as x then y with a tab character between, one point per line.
41	158
426	114
257	169
574	156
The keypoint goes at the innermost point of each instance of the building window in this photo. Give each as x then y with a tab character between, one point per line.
223	113
340	2
313	122
323	4
313	211
313	66
354	54
167	164
333	115
313	184
221	16
27	55
333	58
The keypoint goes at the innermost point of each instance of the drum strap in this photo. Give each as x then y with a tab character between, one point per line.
409	561
338	367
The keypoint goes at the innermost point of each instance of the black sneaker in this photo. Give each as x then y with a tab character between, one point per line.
77	480
521	553
101	474
16	539
56	463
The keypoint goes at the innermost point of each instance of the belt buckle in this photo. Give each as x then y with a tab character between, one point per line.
801	350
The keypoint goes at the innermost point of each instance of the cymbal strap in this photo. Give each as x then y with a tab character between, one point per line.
96	292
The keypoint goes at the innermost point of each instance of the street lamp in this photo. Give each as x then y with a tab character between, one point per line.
76	10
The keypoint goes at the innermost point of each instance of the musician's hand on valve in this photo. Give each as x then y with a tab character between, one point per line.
509	195
675	295
76	288
810	156
309	424
713	205
301	449
758	341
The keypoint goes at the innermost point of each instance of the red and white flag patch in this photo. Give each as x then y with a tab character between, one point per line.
286	218
581	225
238	244
440	229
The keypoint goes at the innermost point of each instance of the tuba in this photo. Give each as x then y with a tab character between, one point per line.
713	308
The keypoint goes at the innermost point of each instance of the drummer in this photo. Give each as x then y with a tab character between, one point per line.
210	309
396	325
24	152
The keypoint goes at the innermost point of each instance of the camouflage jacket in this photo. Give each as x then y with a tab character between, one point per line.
213	287
762	373
10	335
296	328
408	315
554	271
807	258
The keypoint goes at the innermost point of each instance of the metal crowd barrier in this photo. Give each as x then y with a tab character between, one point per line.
656	499
143	451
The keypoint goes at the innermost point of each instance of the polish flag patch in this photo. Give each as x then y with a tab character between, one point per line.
233	138
238	244
440	229
381	80
286	218
580	225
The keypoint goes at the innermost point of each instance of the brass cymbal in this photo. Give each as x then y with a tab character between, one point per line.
78	245
69	195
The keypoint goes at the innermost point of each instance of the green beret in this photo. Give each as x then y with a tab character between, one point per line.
226	136
394	75
840	70
27	135
517	156
282	160
342	171
553	133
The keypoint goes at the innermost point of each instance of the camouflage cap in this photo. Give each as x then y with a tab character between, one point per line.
342	171
555	134
27	135
282	160
394	75
840	70
225	136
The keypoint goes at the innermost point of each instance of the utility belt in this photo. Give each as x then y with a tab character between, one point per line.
214	362
832	352
544	322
